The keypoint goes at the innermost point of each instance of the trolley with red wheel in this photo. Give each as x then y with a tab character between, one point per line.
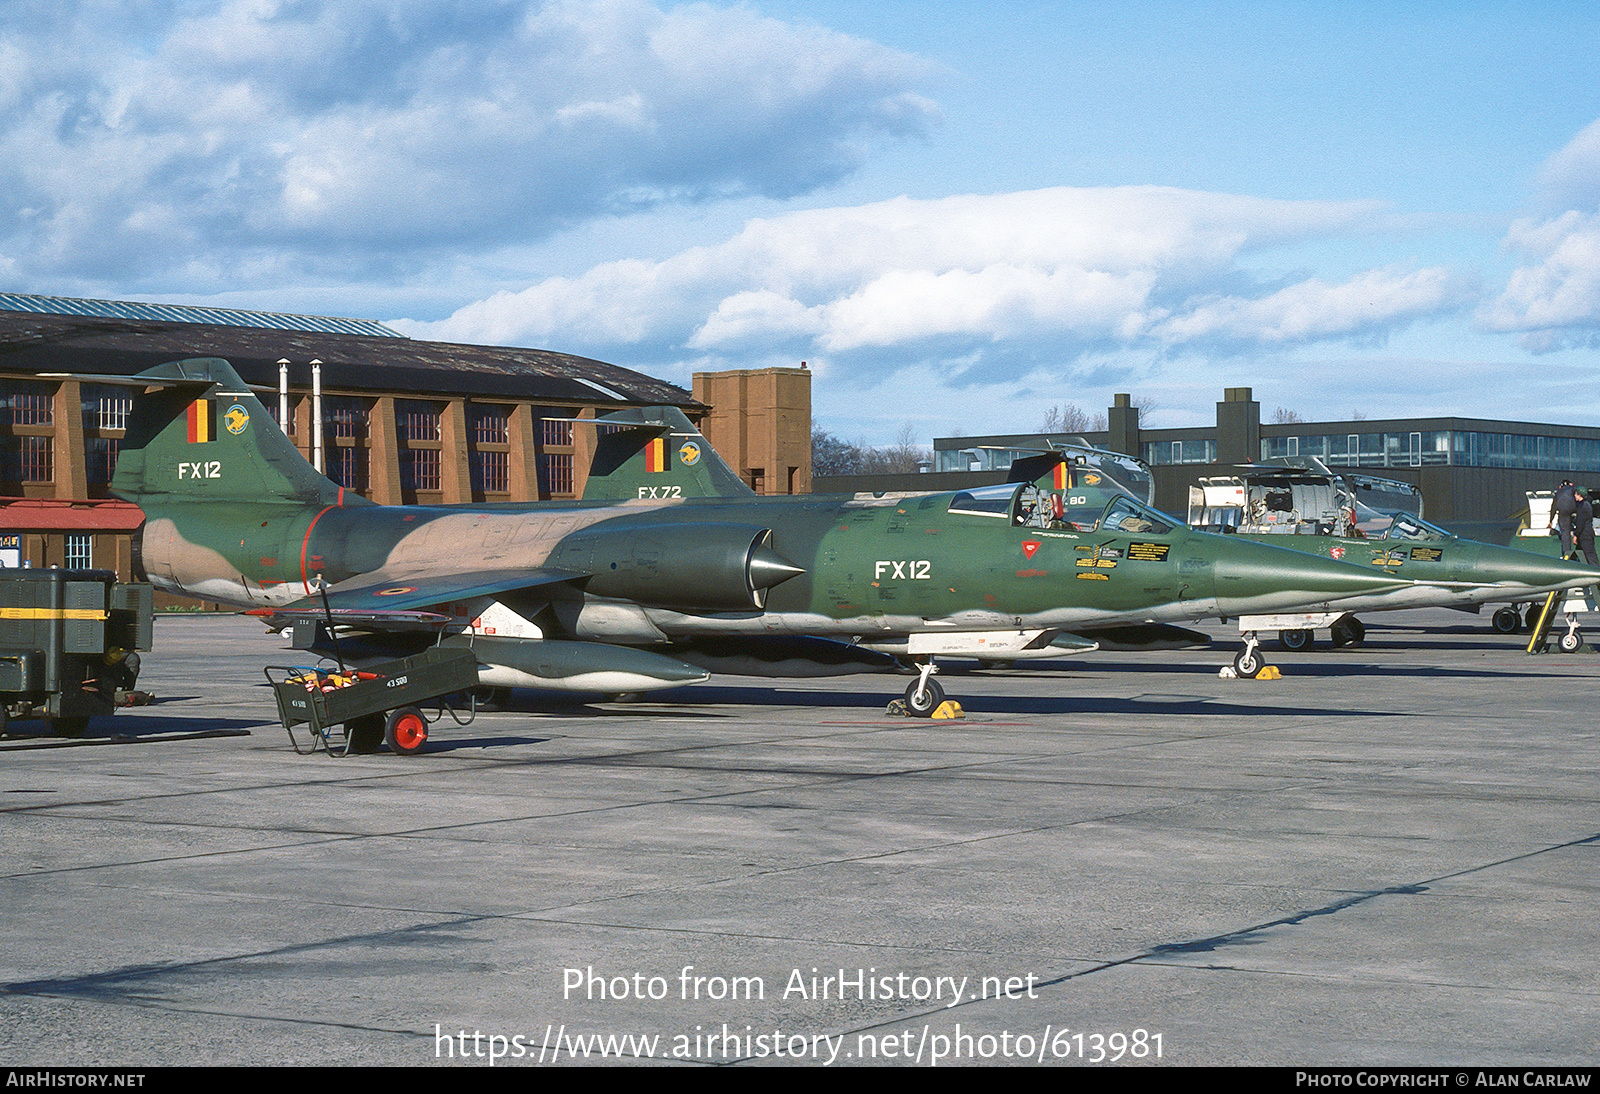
357	710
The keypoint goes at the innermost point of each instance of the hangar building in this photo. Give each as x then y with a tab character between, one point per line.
403	420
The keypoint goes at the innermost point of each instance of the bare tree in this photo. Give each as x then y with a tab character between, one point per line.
1285	416
1070	418
900	458
832	455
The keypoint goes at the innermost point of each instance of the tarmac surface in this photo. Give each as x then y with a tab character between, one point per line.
1389	856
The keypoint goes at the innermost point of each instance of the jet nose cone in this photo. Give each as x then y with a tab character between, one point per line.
769	568
1537	571
1253	578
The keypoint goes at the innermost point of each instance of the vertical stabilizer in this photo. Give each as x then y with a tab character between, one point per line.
199	434
656	452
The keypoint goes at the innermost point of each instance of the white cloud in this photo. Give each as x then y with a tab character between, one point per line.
359	136
1059	271
1371	302
1570	179
1553	299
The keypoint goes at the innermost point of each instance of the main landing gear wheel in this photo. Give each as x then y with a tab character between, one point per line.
1506	621
406	730
1295	640
1348	632
923	698
1572	642
363	735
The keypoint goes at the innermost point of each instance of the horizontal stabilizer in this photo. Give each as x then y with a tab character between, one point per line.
385	592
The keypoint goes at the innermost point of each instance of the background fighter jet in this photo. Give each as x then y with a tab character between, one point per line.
1309	508
583	596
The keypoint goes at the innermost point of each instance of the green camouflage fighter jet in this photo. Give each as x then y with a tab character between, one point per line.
580	596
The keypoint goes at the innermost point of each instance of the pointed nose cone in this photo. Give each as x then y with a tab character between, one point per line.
1255	578
1539	572
769	568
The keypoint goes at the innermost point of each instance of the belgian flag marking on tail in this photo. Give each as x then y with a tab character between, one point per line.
1060	479
202	421
656	456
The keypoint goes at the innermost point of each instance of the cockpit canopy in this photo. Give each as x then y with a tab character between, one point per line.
1411	529
1025	505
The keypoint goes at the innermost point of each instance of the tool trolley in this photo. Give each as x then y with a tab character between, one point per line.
356	710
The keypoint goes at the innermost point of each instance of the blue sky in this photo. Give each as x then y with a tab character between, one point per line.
960	215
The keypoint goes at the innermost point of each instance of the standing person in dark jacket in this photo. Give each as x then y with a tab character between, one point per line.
1574	514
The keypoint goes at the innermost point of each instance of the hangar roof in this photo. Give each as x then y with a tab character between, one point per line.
33	341
188	313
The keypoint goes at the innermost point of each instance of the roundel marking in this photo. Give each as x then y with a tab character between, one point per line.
398	590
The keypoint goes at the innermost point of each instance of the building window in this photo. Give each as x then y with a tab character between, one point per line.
80	555
347	414
492	472
103	459
557	473
113	413
418	421
346	467
419	469
556	432
105	407
32	404
286	426
489	425
35	461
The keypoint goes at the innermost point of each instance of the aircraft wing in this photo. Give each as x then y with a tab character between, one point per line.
384	592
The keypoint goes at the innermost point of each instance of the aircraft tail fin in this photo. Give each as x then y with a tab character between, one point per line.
656	452
200	434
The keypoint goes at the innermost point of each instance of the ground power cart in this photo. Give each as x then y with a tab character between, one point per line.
65	640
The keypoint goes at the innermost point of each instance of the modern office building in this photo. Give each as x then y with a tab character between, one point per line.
1471	471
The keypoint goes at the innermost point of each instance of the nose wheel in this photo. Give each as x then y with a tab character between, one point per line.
1247	662
924	695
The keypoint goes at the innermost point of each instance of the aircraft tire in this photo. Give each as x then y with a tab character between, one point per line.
1506	621
364	735
69	727
406	730
1572	642
932	696
1295	639
1348	632
1247	663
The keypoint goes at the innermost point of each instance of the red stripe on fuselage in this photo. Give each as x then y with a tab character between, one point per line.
305	544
